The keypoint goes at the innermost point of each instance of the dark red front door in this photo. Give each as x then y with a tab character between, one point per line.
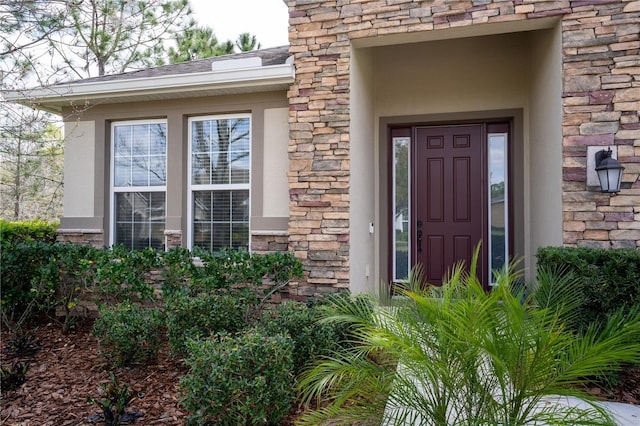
449	194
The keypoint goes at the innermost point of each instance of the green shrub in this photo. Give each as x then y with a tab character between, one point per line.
311	338
121	274
128	334
244	380
179	270
229	267
22	266
198	316
610	278
64	279
28	231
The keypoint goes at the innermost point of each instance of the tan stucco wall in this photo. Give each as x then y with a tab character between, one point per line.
275	187
543	158
470	74
363	273
92	147
79	175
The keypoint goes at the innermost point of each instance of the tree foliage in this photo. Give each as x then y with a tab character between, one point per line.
113	36
30	166
197	43
247	42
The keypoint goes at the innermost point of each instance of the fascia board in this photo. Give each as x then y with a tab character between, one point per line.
258	76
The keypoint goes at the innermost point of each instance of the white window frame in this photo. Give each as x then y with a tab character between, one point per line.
114	189
213	187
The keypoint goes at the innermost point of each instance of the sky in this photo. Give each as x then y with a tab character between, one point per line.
266	19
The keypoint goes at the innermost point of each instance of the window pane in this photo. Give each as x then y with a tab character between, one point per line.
498	249
219	167
157	170
220	236
220	151
139	171
240	236
202	235
122	140
140	141
157	139
140	219
221	219
140	155
122	171
401	257
240	206
221	206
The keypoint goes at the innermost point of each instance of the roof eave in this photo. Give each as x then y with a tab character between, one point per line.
54	98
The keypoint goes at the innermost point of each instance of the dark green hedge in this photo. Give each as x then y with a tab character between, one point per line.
611	277
16	232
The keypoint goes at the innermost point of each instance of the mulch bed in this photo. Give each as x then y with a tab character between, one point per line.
67	369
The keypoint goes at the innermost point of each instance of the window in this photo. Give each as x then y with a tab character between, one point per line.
400	199
139	170
219	168
498	207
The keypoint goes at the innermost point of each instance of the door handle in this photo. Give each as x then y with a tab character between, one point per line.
419	235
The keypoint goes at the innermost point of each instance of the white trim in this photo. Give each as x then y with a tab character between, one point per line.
269	233
119	189
119	87
214	187
79	231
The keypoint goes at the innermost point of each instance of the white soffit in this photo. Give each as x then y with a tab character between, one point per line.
229	76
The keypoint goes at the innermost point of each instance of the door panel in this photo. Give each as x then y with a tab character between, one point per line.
449	194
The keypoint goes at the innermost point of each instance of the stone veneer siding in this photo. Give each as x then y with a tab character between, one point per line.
601	99
89	237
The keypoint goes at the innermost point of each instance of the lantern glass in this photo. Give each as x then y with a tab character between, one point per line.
609	172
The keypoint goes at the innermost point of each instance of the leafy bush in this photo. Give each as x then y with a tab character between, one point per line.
64	279
610	278
244	380
179	269
22	268
16	232
311	338
128	334
229	267
120	274
198	316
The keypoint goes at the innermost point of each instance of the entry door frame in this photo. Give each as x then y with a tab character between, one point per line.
490	125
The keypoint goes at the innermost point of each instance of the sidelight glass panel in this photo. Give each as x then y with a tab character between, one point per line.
498	208
400	196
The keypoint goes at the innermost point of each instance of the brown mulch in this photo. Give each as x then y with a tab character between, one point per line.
68	369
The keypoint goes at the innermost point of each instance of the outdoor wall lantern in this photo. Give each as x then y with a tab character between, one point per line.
609	171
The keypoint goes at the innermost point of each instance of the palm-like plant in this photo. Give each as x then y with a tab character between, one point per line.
458	355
